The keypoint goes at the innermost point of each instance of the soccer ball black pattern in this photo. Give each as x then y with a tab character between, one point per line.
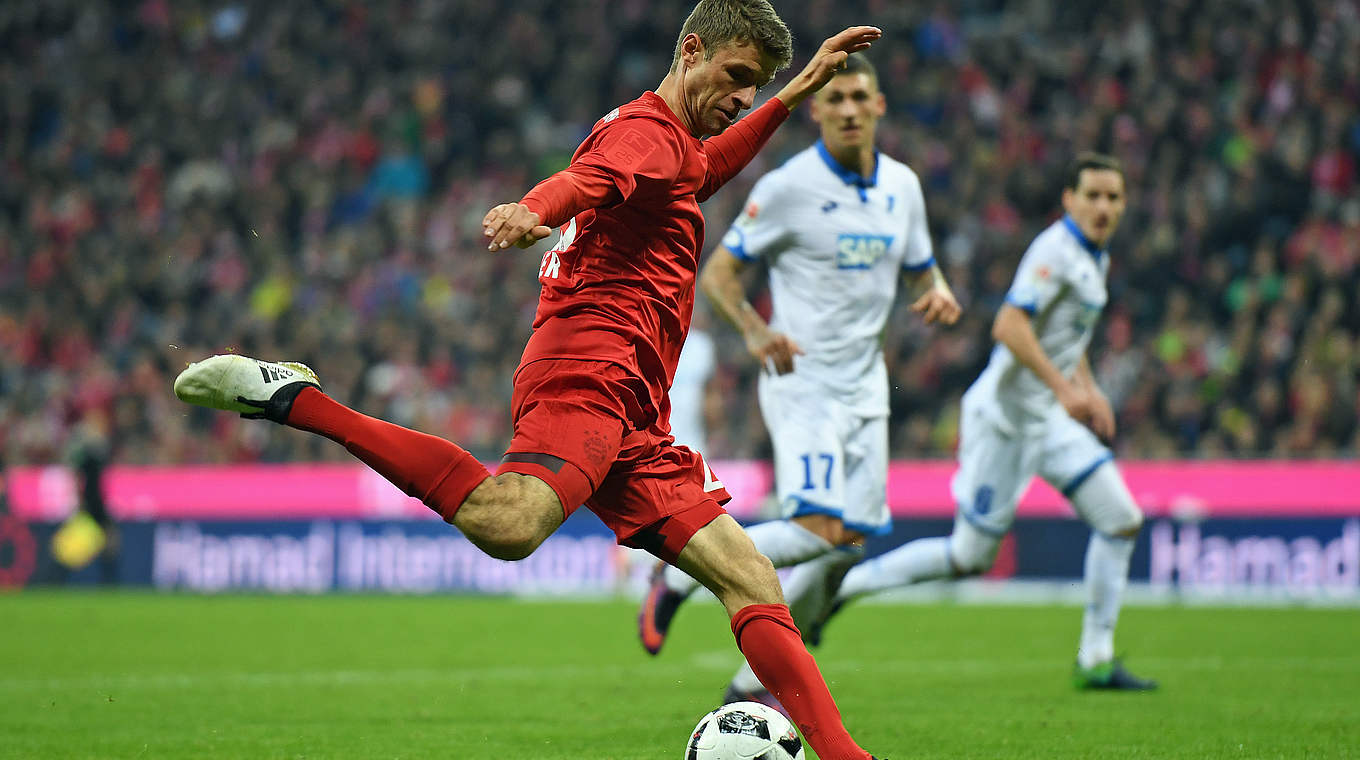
744	731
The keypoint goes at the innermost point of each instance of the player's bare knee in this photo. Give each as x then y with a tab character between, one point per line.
826	527
830	529
507	518
510	542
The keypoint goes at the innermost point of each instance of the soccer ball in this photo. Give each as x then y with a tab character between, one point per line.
744	731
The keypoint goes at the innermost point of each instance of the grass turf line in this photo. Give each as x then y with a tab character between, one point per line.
137	675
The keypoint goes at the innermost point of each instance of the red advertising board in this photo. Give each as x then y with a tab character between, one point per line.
915	489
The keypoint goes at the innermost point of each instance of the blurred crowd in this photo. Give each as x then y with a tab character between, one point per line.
305	181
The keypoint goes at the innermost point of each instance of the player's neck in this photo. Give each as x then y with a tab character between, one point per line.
861	159
671	92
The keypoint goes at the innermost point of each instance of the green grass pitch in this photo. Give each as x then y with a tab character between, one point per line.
140	675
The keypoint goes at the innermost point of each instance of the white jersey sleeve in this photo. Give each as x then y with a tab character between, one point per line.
1038	278
762	229
919	254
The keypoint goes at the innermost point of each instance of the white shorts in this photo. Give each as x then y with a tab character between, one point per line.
827	459
996	467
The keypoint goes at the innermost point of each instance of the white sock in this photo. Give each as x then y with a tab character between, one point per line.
1107	573
785	542
810	591
921	560
811	588
745	679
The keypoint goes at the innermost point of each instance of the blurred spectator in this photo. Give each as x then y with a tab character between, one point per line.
304	181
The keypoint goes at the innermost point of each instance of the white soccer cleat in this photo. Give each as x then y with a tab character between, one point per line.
241	384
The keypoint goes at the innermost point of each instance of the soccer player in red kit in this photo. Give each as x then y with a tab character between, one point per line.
590	406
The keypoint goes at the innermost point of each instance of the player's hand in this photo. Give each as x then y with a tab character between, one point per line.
512	224
826	61
774	351
1102	417
938	305
1078	402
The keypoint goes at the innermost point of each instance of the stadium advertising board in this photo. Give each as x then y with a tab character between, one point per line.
1215	527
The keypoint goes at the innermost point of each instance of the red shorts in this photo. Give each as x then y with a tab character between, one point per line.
582	428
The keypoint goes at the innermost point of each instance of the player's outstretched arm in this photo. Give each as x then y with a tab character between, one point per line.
1013	329
828	58
935	302
721	282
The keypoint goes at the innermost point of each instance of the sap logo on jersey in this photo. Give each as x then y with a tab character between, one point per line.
860	251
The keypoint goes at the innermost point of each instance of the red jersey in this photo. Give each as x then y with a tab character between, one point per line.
619	284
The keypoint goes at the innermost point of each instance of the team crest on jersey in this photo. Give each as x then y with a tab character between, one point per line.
596	448
752	210
861	251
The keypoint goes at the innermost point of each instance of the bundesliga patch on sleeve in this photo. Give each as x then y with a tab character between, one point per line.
748	216
630	148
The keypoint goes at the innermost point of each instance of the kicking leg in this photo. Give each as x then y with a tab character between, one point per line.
722	557
810	591
507	516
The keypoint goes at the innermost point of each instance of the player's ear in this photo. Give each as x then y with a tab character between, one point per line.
1067	197
691	49
880	105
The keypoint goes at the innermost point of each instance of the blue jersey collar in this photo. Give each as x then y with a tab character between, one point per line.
1085	242
847	176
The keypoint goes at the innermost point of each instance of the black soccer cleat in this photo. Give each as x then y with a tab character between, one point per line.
813	637
1110	676
658	610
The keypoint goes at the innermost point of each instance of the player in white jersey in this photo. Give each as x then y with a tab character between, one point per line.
1036	409
837	225
698	359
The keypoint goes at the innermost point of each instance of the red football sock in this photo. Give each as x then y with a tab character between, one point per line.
431	469
768	637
